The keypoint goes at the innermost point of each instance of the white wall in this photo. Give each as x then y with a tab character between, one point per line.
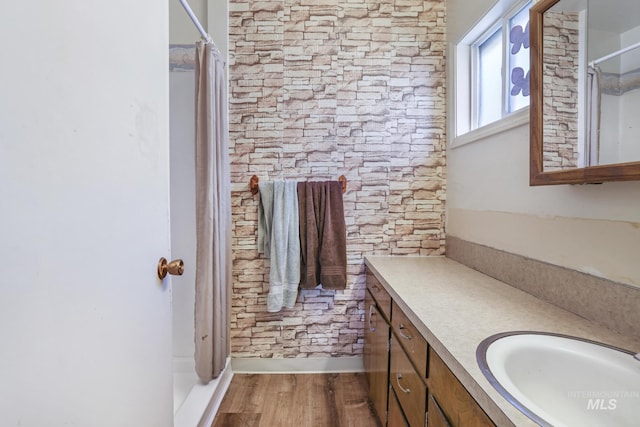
591	228
181	29
629	126
183	208
630	101
611	117
212	14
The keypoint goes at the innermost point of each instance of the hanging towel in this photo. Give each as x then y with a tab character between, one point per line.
280	241
322	235
265	212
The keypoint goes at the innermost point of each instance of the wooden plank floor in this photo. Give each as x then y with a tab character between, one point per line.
296	400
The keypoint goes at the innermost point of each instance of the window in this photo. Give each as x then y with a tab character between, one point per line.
489	79
492	67
518	48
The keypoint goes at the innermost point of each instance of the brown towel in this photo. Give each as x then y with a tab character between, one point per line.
323	240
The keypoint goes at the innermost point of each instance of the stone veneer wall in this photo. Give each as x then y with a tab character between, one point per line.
561	50
324	88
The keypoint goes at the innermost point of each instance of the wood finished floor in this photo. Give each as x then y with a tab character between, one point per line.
296	400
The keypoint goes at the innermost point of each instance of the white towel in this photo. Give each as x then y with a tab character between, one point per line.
281	229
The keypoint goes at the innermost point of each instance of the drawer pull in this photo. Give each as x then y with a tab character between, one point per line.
405	336
404	390
371	314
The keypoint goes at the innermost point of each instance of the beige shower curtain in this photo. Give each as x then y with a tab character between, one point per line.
213	211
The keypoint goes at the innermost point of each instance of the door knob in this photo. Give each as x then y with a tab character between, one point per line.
175	267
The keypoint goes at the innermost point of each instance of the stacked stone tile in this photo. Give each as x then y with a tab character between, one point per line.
561	48
325	88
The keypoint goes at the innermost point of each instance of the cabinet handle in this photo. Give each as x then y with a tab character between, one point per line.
439	410
405	336
371	314
398	378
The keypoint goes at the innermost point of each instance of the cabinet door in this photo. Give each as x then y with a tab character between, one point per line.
376	356
370	306
396	418
453	400
435	416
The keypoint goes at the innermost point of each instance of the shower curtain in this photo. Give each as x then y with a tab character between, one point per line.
213	215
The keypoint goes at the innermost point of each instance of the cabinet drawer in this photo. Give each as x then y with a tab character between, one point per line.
413	342
451	399
408	385
382	297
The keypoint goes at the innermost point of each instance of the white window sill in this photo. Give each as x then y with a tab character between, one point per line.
519	118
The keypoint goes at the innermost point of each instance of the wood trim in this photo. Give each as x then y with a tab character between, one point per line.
536	107
589	175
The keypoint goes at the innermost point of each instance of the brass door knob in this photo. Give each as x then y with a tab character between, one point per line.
175	267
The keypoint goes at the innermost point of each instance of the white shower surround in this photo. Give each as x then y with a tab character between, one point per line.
194	403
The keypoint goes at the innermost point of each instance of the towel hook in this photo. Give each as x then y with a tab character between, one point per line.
343	182
253	184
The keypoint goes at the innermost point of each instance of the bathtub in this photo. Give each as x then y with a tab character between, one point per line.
194	403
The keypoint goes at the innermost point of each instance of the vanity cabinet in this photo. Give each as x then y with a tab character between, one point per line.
419	388
376	345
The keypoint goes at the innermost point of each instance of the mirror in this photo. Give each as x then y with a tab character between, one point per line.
585	91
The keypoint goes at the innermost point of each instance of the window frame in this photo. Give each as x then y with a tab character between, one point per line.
475	73
465	76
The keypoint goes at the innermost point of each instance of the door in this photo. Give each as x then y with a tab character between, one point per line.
85	324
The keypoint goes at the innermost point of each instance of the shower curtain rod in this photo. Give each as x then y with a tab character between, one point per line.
193	17
614	54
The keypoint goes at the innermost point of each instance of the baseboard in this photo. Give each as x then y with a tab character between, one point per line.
299	366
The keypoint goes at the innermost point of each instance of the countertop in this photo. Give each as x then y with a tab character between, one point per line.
456	307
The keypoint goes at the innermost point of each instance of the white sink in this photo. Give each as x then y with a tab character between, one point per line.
559	380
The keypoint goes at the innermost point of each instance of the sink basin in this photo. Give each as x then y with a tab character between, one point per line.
559	380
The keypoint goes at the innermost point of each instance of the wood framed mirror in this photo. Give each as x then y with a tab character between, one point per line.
585	91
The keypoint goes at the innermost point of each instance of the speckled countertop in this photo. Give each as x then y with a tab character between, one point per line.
455	308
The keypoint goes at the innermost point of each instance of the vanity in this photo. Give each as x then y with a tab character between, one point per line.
425	318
